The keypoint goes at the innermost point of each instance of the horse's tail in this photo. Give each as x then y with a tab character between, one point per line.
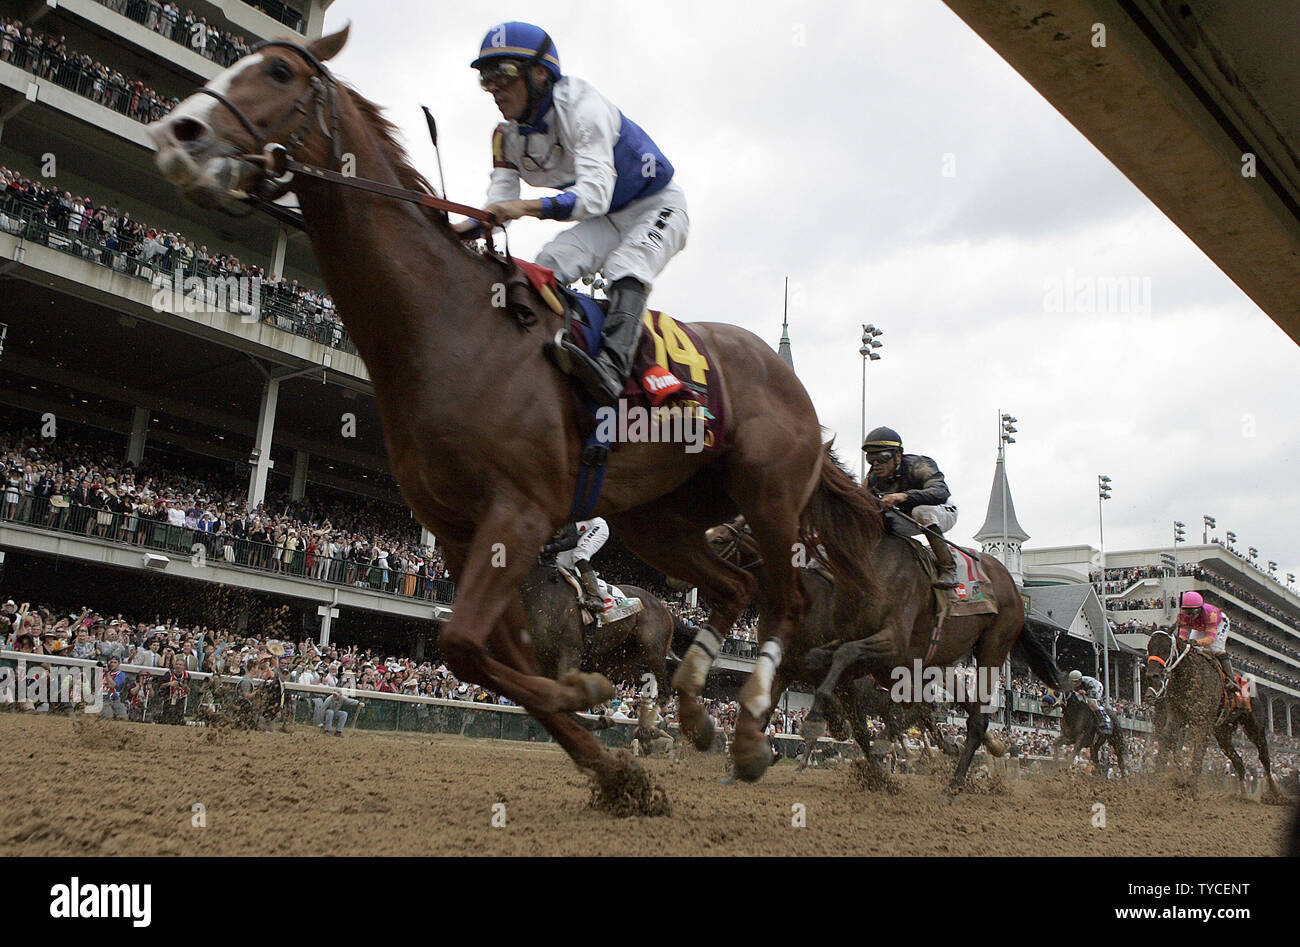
845	520
1034	653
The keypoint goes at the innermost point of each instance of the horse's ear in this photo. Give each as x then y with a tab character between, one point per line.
327	47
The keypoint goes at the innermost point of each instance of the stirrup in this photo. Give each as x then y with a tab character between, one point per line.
942	583
588	372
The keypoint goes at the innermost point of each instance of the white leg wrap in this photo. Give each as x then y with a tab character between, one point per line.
756	696
696	662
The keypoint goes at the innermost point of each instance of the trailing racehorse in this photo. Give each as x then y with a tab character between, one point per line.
628	649
481	431
888	632
1191	703
1081	728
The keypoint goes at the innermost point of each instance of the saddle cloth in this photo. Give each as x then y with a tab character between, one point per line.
622	607
974	592
672	372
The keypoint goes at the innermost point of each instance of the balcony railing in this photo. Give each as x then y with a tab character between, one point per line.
220	46
144	532
103	86
278	10
28	220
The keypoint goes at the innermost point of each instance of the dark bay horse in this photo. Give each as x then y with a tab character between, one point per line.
1187	685
1080	727
884	634
478	424
625	650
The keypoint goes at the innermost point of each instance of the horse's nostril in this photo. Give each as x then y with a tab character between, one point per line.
189	130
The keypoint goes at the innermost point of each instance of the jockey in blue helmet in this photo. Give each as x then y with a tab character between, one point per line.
559	132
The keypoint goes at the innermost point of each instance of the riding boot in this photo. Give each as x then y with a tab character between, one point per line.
943	556
603	377
1230	679
591	585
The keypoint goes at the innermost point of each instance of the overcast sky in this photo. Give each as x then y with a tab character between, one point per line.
888	162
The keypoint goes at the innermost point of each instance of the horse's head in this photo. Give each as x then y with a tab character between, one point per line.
732	542
1160	655
228	141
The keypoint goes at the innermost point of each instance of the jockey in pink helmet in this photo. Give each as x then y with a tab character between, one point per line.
1206	627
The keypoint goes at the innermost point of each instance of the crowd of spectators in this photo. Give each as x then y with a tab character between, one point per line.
65	483
111	237
186	28
1119	579
47	56
255	662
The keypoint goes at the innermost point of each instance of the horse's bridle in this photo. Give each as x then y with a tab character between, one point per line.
278	165
1169	666
732	546
275	158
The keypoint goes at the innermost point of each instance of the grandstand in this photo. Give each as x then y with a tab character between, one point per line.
104	358
1142	594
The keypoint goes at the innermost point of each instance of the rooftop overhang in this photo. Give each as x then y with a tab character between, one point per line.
1194	102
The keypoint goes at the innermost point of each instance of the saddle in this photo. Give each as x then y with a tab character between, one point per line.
974	591
672	369
623	606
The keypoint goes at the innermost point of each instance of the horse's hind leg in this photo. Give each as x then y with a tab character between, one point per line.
976	727
1223	736
1255	730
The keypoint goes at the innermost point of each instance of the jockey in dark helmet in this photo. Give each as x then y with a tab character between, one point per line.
561	133
912	484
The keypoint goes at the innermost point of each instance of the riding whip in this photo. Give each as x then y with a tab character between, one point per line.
433	136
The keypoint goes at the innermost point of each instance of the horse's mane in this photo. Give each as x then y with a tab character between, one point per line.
387	135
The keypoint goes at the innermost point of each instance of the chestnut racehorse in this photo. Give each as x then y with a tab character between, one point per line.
478	425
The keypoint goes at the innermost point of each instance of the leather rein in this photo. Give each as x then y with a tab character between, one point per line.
1169	667
278	164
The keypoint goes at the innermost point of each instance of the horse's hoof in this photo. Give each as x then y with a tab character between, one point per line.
704	735
995	747
752	765
592	689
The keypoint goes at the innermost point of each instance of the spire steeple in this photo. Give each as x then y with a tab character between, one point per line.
1002	535
783	349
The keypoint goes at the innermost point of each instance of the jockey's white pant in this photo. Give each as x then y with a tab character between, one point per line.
636	241
589	544
943	518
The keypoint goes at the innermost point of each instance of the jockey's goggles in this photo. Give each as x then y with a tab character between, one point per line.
499	74
880	456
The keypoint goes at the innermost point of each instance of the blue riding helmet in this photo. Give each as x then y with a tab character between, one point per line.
515	40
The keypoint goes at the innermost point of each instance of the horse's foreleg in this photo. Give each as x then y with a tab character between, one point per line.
671	542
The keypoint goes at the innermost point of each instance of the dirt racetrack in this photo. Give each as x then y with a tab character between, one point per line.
81	786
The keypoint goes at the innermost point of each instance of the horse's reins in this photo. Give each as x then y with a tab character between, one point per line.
277	160
1170	665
